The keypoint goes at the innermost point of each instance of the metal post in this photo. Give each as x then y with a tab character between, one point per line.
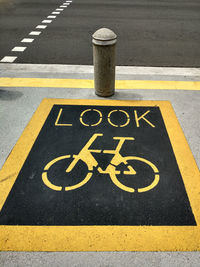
104	43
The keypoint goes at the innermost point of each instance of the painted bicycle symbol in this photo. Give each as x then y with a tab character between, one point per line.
85	155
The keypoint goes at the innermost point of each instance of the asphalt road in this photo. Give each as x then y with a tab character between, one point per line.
150	32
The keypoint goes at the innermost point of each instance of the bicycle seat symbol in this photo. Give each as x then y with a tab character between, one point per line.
85	155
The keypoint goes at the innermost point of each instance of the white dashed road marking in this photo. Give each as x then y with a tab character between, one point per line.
57	11
46	21
8	59
41	27
27	40
34	33
51	17
18	49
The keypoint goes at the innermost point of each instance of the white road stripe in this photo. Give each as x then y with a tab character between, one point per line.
18	49
8	59
41	27
51	17
27	40
34	33
11	59
46	21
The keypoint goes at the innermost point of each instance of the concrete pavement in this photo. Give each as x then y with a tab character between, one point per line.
26	100
17	105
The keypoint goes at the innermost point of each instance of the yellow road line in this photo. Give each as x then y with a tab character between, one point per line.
81	83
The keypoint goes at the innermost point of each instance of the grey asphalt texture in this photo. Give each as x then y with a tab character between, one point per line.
150	32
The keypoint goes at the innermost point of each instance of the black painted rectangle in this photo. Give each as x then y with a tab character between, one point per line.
100	201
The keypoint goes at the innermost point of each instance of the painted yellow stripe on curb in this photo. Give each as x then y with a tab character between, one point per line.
39	82
158	85
81	83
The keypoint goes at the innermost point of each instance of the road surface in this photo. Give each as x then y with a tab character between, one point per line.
150	32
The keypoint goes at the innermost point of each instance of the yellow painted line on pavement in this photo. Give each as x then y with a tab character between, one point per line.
100	238
81	83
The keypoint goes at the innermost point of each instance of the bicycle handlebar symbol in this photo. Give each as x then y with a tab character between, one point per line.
86	156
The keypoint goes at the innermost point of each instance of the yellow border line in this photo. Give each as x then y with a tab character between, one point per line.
81	83
102	238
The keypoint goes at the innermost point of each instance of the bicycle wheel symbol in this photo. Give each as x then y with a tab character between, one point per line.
130	161
47	181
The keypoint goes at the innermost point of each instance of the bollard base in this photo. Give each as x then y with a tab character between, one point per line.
104	95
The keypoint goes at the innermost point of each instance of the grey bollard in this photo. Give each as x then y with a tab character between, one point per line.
104	43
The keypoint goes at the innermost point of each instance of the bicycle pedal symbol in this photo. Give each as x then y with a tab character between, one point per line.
85	155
